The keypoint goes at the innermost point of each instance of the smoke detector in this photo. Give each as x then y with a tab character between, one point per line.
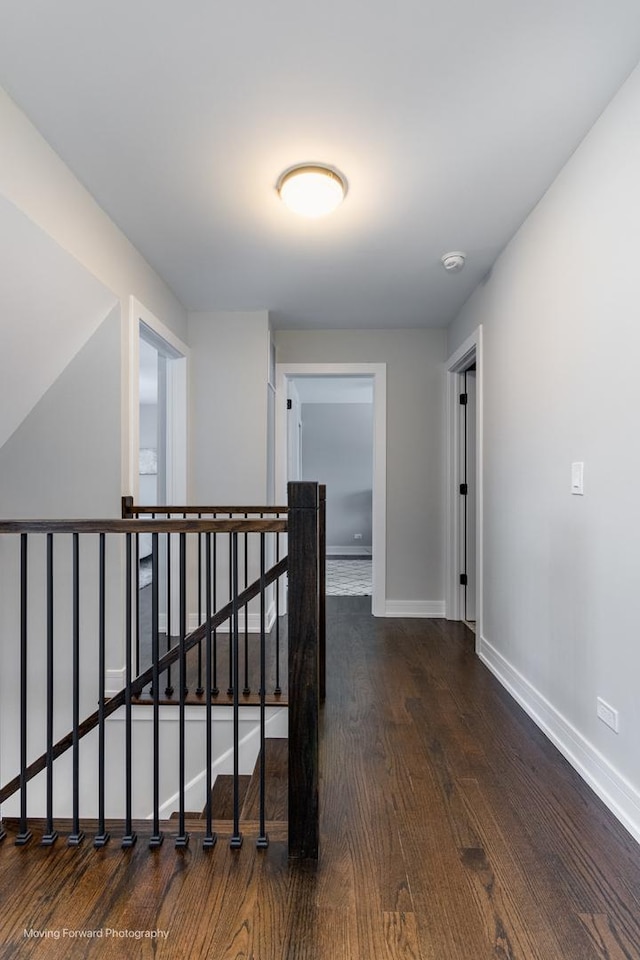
453	262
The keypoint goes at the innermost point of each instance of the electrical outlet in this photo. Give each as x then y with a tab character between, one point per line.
607	714
357	536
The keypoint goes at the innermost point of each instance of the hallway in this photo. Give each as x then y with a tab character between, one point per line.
451	829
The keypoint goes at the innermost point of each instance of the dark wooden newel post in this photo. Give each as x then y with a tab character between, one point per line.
304	699
322	590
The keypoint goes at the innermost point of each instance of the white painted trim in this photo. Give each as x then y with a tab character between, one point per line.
177	413
115	680
378	371
177	385
348	551
414	608
194	621
470	349
620	796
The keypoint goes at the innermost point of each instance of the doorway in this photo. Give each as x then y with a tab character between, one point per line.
464	485
330	426
158	461
356	512
468	513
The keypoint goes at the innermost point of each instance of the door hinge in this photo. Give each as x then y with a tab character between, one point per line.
463	580
464	398
464	489
289	404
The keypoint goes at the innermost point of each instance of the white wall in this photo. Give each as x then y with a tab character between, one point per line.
228	407
561	346
64	458
38	183
337	449
415	448
67	452
49	307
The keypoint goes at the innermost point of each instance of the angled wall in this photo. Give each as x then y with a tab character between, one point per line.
64	458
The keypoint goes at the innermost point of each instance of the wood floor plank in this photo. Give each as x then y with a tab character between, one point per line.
606	939
451	829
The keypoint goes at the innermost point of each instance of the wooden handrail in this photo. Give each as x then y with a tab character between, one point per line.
178	525
129	509
118	700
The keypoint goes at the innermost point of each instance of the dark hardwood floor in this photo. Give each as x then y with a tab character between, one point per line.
451	829
276	664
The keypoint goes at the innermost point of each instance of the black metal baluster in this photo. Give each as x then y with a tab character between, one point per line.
199	688
263	839
210	837
169	688
76	837
129	836
102	837
182	840
247	690
137	604
50	836
25	834
278	688
186	689
215	691
152	517
230	687
236	839
157	837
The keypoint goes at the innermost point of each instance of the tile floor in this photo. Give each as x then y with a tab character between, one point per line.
348	577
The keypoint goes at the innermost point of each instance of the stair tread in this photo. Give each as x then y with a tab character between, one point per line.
276	783
222	795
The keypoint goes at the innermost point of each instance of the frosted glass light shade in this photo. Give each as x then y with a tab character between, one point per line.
311	190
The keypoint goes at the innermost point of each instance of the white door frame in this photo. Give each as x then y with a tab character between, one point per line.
378	371
468	351
177	372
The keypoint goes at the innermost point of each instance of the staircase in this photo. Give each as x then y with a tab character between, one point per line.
275	798
276	786
67	588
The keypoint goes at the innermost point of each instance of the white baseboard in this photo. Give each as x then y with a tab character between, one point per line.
622	799
253	622
414	608
115	680
349	551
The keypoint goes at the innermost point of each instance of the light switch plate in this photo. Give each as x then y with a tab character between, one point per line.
577	479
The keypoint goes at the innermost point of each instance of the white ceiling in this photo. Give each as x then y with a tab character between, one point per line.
449	120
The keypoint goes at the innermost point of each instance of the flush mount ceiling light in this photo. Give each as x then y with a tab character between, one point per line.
312	189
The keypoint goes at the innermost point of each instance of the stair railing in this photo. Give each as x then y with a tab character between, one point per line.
248	560
75	585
